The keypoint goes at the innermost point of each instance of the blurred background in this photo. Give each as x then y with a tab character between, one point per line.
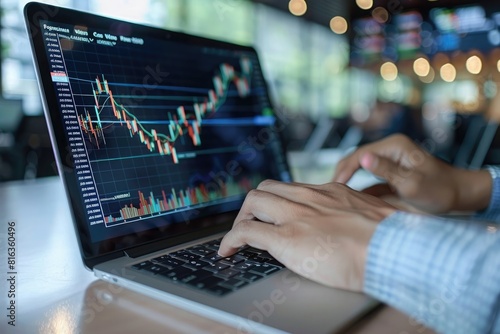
346	71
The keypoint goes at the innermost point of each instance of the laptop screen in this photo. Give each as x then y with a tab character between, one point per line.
155	130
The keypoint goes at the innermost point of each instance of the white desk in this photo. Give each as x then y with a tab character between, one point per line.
56	294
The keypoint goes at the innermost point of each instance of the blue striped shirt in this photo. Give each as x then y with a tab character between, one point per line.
444	273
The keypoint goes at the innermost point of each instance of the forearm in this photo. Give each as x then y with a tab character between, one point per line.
442	273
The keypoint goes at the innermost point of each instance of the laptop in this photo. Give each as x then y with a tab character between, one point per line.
158	136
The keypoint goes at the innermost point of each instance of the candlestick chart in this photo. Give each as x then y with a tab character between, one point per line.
107	111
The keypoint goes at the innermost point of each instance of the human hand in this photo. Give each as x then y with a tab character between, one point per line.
417	177
318	231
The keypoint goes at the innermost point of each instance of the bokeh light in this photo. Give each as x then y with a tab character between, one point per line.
421	67
339	25
474	65
448	72
389	71
297	7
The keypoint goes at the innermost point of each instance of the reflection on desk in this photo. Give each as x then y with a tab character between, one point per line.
56	294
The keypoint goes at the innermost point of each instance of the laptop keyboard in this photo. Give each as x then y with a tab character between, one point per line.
201	267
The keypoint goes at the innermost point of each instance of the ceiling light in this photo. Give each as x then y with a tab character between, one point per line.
421	67
380	14
364	4
389	71
297	7
338	25
448	72
474	65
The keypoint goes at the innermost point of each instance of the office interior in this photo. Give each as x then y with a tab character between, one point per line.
344	72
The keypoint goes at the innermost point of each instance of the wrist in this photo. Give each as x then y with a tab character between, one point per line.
473	189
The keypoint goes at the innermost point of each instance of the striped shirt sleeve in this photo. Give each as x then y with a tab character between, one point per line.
443	273
492	213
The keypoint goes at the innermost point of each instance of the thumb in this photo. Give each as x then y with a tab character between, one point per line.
381	167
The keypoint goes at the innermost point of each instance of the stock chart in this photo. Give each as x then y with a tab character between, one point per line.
162	129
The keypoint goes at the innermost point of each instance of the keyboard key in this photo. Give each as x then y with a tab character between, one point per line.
200	250
224	262
206	282
260	259
247	254
185	256
160	258
265	255
212	258
196	276
142	265
229	272
234	259
243	266
177	273
233	283
275	262
196	264
250	277
264	269
215	267
214	244
218	290
155	269
168	261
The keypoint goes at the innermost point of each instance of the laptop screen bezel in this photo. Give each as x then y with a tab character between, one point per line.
94	253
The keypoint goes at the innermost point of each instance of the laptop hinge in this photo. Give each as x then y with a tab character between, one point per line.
171	242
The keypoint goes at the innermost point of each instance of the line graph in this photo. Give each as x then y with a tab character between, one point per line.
187	119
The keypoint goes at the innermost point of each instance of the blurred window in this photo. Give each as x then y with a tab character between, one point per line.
303	62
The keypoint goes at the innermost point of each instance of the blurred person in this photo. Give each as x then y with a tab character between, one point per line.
387	118
443	272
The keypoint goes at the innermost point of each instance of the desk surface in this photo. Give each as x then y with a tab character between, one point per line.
60	296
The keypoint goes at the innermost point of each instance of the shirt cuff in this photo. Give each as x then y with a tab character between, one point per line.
492	213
